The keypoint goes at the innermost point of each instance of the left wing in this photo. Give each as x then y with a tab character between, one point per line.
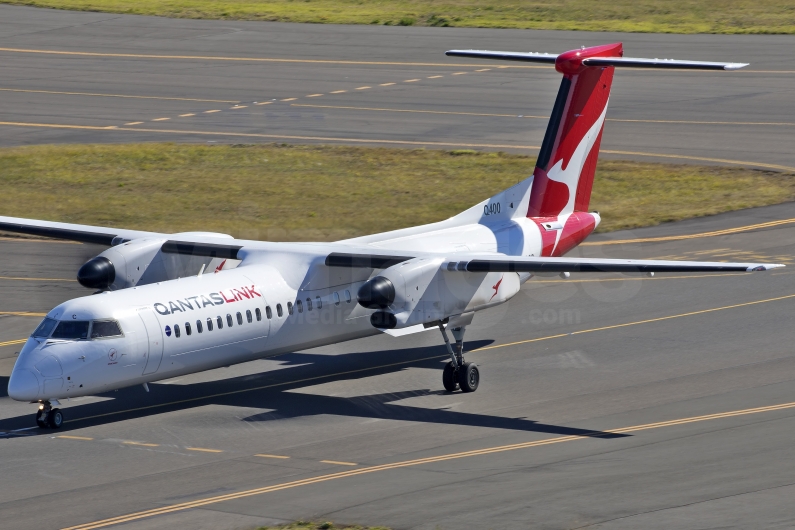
72	232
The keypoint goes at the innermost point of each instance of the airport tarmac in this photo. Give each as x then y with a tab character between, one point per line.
606	401
71	77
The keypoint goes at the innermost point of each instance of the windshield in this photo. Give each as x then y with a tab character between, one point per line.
71	330
45	328
105	328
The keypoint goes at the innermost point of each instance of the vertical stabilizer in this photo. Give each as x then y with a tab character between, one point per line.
567	162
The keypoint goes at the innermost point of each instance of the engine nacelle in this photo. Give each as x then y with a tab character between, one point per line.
421	290
141	262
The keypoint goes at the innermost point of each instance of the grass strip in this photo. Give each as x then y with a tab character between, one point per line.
281	192
658	16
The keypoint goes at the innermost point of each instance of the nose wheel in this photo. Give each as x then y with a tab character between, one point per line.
458	373
48	417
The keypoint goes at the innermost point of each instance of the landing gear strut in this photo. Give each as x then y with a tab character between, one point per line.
458	373
48	417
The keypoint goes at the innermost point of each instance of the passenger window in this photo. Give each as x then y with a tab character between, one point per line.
248	316
176	330
258	313
220	322
309	304
105	328
268	312
187	328
239	319
347	296
199	328
279	309
71	330
289	308
319	302
229	320
300	306
209	324
336	297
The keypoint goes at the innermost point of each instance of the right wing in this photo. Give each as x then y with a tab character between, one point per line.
476	263
473	262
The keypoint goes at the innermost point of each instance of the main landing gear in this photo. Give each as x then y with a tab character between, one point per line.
458	373
48	417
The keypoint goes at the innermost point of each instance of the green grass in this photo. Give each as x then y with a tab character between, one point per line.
662	16
322	193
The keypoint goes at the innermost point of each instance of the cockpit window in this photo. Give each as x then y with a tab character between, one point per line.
45	328
105	328
71	330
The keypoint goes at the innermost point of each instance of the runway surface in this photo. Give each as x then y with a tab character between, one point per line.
606	401
91	77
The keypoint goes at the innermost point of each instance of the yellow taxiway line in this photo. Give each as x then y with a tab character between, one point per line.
491	115
715	233
389	365
247	59
12	342
417	462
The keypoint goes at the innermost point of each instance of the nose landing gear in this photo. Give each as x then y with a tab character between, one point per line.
48	417
458	373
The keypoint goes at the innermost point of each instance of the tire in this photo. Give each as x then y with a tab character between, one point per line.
468	377
55	419
41	423
448	378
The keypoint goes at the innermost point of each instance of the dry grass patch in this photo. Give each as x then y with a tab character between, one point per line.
661	16
323	193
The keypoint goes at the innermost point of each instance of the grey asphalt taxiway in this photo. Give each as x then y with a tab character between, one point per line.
606	401
91	77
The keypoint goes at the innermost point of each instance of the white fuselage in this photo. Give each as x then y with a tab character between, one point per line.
280	301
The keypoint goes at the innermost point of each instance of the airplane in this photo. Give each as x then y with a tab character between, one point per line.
173	304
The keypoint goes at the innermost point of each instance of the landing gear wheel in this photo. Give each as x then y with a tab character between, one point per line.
40	422
469	377
449	378
55	419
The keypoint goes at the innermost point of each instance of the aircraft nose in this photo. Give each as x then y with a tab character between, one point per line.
23	386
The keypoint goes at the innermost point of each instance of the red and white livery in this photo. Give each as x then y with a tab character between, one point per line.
173	304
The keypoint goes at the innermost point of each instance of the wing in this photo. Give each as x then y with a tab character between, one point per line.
499	263
191	243
542	264
72	232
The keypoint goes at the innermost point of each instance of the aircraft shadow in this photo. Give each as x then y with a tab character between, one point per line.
271	389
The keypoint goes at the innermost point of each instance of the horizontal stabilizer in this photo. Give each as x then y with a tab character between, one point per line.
630	62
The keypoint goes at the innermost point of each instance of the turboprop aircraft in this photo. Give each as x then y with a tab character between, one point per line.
174	304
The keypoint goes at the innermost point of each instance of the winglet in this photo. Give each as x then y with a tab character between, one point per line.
765	267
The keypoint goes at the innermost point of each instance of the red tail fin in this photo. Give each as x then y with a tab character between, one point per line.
567	161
